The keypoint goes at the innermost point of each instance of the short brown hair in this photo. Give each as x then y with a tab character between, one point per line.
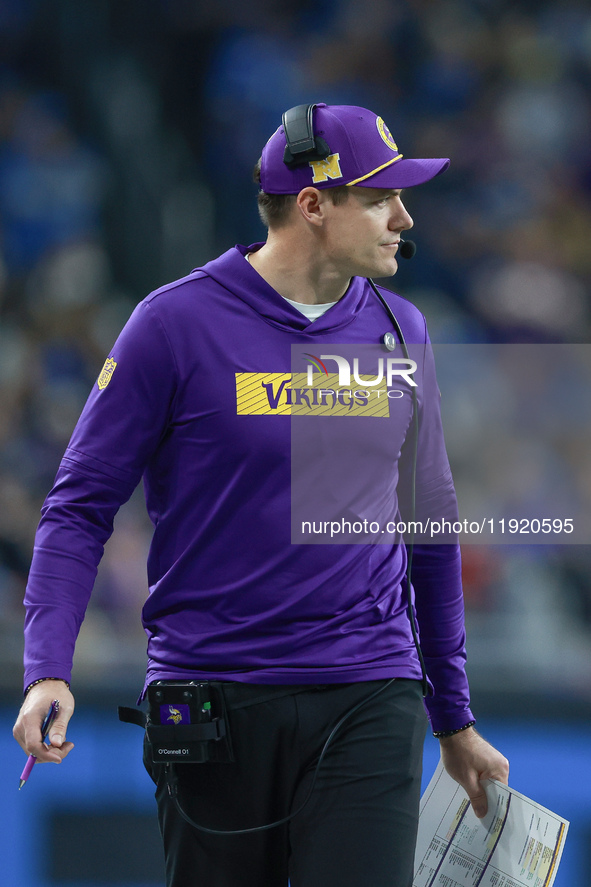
274	209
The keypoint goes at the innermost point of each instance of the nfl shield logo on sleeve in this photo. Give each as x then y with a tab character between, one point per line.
106	373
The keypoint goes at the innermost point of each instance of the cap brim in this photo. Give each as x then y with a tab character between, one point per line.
405	173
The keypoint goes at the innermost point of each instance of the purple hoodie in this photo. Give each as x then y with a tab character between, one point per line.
230	596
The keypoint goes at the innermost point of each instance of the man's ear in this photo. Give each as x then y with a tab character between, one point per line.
311	204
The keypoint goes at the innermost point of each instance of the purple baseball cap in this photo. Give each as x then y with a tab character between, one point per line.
361	152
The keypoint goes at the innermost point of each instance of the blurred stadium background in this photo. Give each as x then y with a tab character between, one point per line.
128	133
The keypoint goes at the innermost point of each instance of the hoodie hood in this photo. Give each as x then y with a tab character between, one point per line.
232	271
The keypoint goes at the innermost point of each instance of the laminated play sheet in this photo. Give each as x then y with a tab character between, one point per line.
517	844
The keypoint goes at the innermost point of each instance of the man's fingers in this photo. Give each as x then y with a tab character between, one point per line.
58	754
57	733
470	760
27	729
479	802
55	752
500	772
51	755
476	793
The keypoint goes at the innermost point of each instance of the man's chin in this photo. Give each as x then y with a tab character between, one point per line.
386	269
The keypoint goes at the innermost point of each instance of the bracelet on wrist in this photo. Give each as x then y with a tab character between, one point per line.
443	734
40	681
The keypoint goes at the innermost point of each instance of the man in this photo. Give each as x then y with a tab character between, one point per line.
301	643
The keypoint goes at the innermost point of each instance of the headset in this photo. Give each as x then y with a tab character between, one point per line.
302	146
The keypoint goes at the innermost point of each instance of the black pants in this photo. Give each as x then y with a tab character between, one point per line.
358	828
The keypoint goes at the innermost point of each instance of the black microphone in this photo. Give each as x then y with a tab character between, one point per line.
407	249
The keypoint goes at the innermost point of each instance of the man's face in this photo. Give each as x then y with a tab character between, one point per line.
361	236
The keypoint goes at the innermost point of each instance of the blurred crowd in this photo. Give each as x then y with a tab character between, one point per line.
128	134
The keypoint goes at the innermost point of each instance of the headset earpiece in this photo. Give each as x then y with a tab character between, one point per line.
302	145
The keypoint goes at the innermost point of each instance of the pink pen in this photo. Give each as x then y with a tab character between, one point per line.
47	722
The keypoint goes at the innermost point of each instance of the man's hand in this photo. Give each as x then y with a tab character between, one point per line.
27	730
468	758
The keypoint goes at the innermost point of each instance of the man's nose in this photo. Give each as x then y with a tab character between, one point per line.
401	219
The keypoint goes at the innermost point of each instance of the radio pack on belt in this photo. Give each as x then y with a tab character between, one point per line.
185	722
